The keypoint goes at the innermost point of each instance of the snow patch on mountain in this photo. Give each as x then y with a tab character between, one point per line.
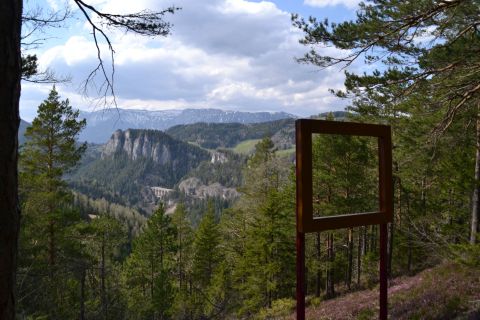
101	124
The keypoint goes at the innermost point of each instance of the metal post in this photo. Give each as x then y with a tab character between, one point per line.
300	276
383	272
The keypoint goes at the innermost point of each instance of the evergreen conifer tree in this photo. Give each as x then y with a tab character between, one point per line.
149	270
50	151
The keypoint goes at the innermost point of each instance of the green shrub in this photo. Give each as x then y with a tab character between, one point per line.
314	301
466	254
280	308
367	314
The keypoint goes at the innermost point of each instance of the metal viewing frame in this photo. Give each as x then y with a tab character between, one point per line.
307	223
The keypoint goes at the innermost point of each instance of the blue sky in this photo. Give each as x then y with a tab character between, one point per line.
226	54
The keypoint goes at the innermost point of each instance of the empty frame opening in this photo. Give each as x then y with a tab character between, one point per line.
345	174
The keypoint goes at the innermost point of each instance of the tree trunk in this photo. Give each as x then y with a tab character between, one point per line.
476	188
350	258
391	226
180	261
423	196
82	293
319	269
327	266
103	289
409	238
10	67
390	248
51	244
359	255
364	240
330	272
373	239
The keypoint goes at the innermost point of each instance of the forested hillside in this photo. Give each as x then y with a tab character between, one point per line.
177	225
124	170
131	162
228	135
194	253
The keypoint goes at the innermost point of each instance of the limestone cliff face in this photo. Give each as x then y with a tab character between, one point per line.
150	144
218	157
114	145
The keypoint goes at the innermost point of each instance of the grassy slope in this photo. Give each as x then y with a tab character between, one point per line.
448	291
286	152
246	147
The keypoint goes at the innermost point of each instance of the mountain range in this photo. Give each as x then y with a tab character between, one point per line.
101	123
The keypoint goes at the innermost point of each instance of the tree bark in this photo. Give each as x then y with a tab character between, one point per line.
103	279
51	244
373	239
409	238
319	269
83	275
10	67
476	189
359	255
397	217
350	258
391	227
330	270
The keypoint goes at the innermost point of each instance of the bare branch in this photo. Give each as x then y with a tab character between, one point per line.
146	23
452	111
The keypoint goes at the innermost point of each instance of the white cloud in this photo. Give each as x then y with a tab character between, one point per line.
228	54
351	4
53	4
74	51
246	7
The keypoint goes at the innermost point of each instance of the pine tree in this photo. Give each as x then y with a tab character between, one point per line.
183	262
265	219
426	76
149	270
107	238
50	151
206	259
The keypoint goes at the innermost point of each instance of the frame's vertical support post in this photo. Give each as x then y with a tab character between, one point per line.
300	276
383	272
385	201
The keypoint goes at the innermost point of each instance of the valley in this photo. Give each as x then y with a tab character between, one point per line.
205	212
190	163
132	195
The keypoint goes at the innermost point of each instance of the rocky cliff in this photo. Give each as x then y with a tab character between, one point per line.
134	160
151	144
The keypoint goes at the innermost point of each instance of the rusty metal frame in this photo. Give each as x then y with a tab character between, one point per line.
307	223
304	130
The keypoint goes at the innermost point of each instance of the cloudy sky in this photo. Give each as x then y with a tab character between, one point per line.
226	54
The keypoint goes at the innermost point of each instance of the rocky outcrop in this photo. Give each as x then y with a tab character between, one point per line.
151	144
218	157
193	187
114	145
